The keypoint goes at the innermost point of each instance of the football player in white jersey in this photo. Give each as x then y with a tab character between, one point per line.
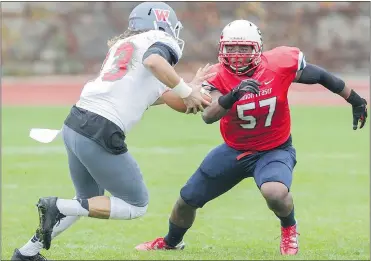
137	70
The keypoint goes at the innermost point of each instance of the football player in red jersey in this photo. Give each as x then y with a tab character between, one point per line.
250	99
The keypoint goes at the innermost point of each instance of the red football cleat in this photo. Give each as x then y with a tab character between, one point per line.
158	244
289	240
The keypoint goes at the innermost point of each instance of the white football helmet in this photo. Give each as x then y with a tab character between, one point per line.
240	33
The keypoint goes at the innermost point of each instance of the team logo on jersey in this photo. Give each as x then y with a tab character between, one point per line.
268	82
161	15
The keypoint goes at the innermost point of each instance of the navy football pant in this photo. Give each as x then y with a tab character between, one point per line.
223	168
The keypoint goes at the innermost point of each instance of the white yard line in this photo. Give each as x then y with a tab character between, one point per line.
43	150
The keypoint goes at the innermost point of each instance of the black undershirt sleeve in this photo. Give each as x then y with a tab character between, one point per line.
313	74
163	50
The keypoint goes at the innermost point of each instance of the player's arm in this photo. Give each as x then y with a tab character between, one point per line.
313	74
214	112
175	102
221	104
160	59
159	101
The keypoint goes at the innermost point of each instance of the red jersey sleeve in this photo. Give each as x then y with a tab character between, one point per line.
287	60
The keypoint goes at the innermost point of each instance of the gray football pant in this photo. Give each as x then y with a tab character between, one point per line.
93	170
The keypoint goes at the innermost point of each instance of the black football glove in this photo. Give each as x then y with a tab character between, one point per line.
359	109
245	86
359	115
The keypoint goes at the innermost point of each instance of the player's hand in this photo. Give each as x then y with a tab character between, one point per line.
245	86
359	115
195	101
203	74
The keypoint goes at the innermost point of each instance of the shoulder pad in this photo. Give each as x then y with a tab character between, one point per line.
285	58
165	38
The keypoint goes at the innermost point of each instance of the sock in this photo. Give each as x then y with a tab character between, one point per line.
289	220
73	207
175	235
63	225
34	246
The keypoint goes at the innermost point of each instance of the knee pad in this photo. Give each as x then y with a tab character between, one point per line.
191	199
122	210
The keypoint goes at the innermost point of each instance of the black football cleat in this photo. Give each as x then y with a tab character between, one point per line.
49	215
17	256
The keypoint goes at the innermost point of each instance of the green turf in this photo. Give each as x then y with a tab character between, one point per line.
331	190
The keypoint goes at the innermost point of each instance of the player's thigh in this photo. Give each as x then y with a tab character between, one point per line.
218	173
118	174
84	183
276	166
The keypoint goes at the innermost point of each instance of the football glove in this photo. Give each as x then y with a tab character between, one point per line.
359	109
245	86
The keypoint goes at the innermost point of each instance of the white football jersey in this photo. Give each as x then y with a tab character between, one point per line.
125	89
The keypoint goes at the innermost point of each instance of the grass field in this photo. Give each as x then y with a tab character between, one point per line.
331	190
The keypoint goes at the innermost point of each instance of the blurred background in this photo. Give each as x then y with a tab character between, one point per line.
43	38
51	49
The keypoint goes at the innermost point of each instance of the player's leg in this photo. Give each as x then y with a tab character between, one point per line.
119	174
273	176
218	173
85	187
31	250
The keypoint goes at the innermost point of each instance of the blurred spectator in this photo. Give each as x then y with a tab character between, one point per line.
70	37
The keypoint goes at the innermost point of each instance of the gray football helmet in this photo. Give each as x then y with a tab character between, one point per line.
156	16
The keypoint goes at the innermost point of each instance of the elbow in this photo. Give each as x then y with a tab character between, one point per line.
151	61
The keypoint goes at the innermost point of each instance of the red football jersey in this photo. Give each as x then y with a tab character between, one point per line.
260	122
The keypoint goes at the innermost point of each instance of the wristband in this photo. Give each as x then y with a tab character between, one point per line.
182	89
354	99
227	101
